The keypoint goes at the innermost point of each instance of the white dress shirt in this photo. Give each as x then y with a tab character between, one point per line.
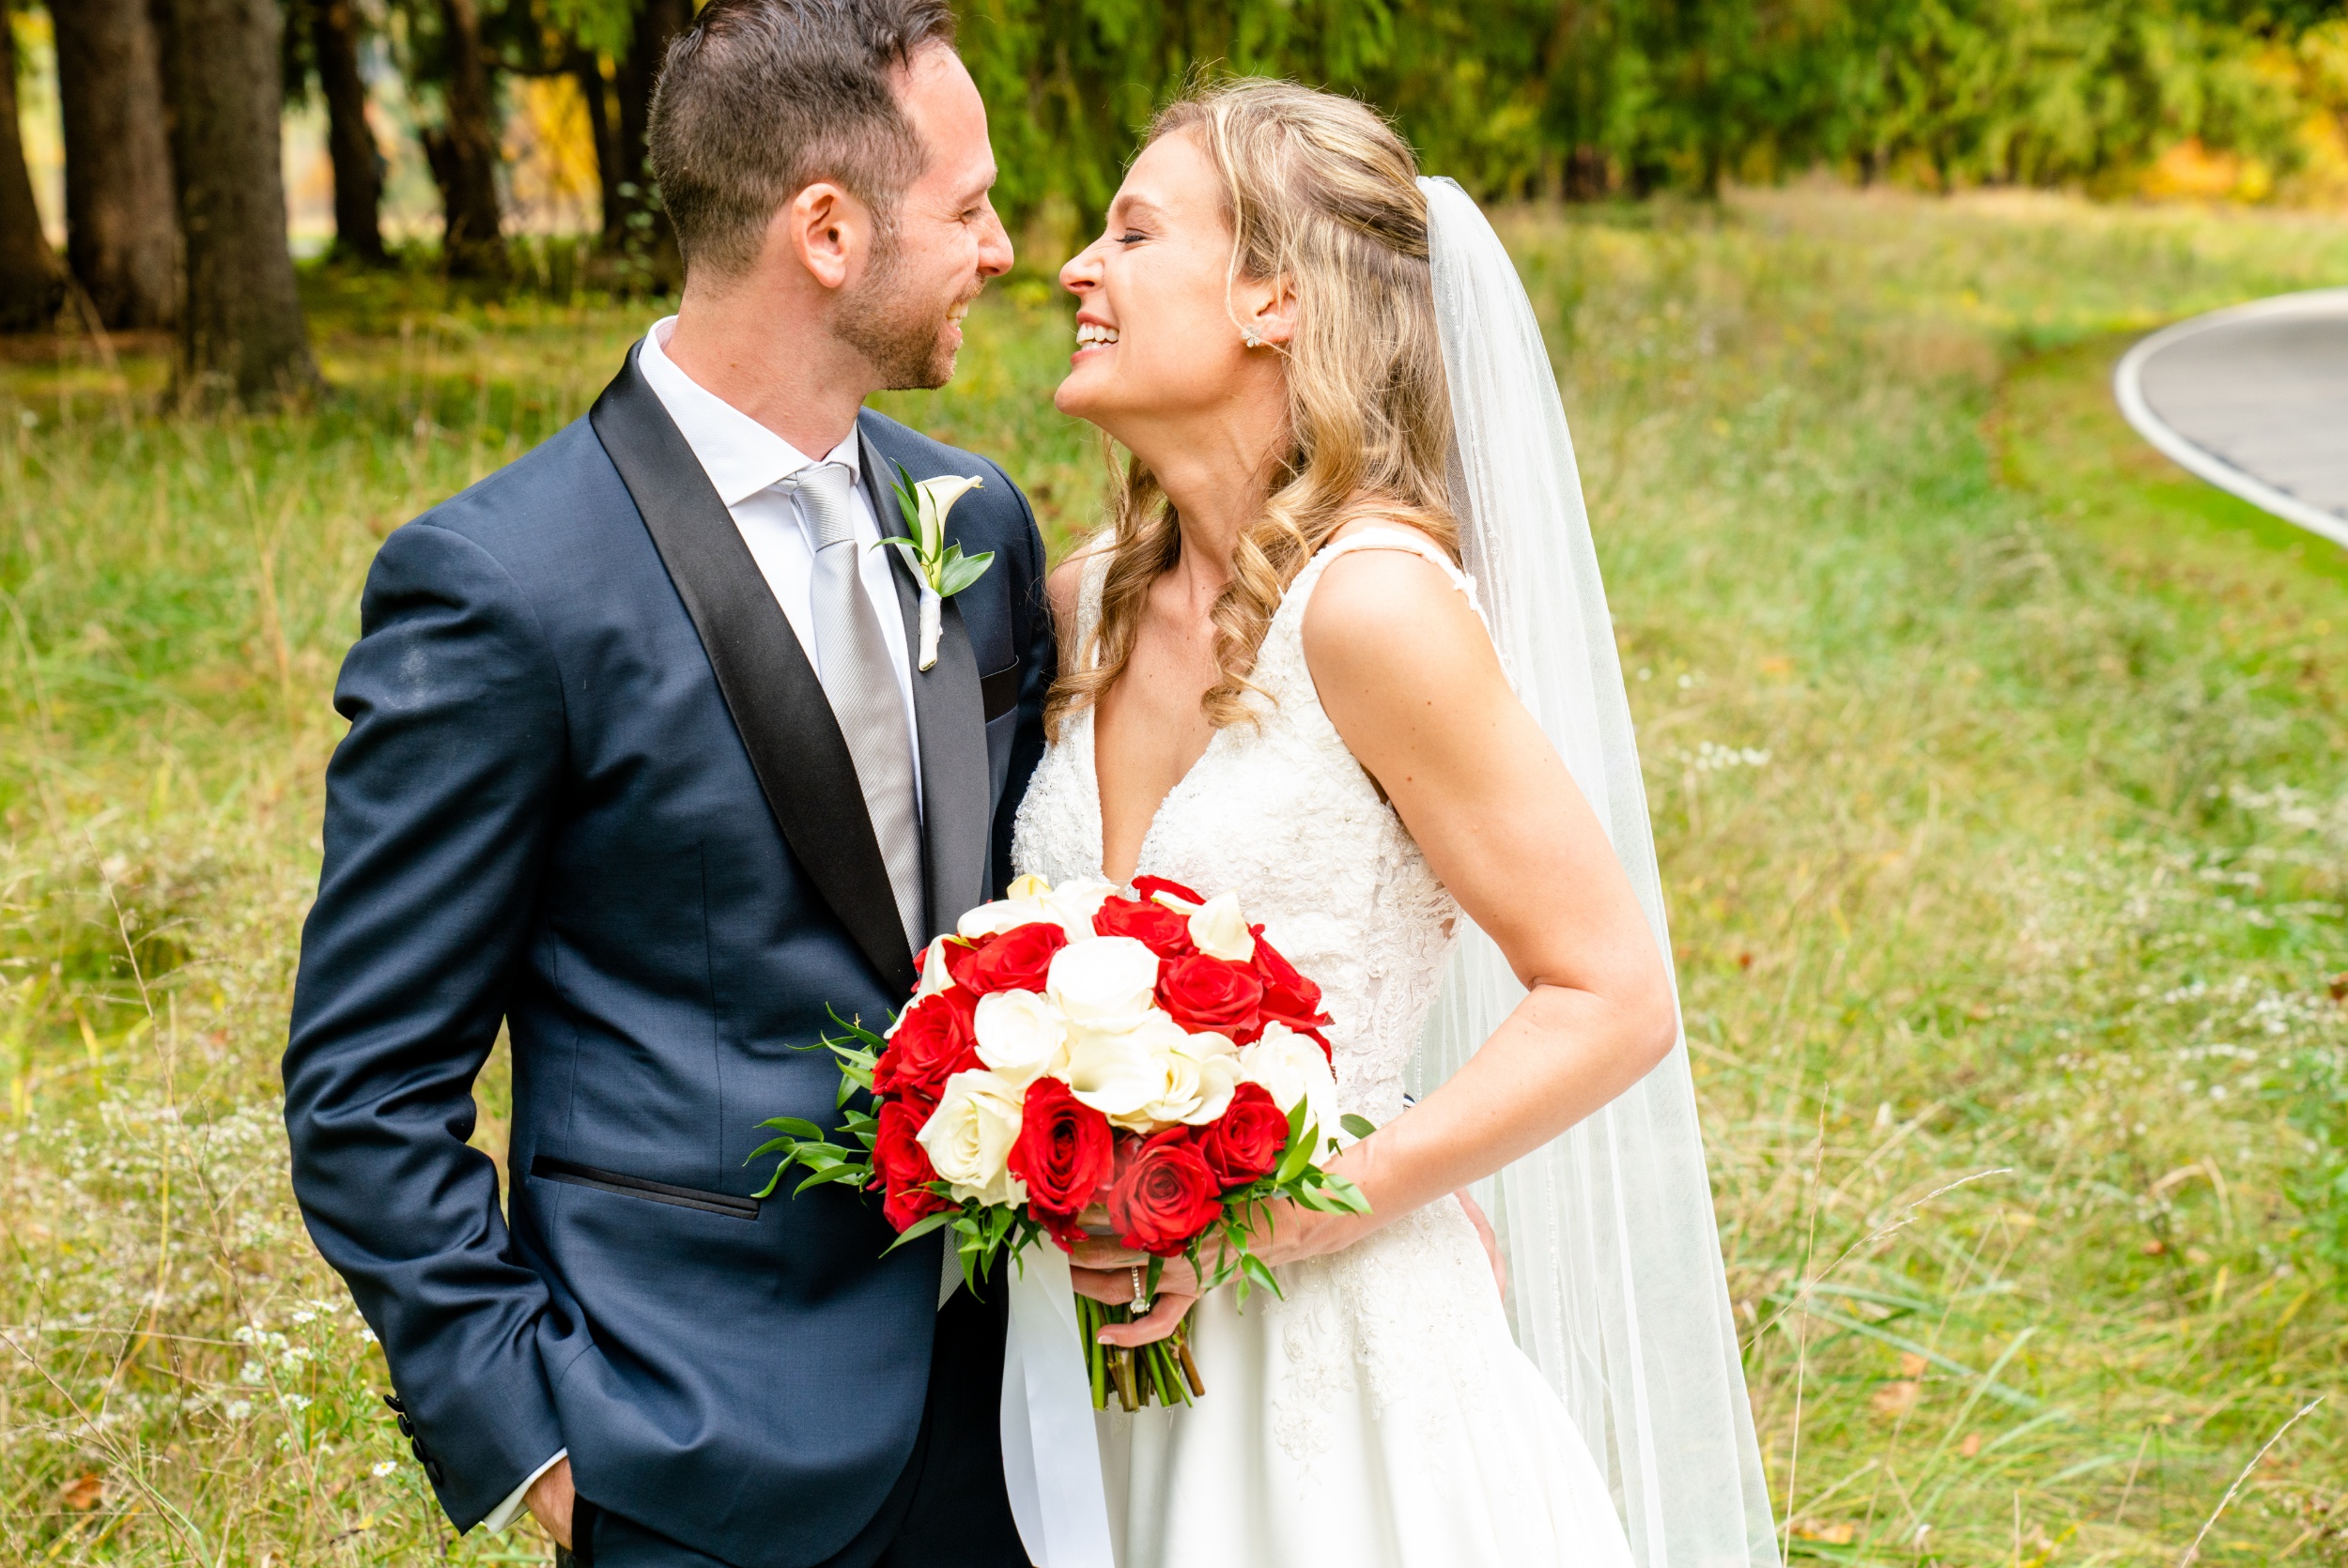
743	460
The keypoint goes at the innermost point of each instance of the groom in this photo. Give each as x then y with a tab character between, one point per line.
644	767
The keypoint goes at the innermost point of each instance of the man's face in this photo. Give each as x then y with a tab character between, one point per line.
906	312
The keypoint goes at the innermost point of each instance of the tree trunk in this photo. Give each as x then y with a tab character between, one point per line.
122	237
241	334
635	223
32	279
350	146
587	69
464	153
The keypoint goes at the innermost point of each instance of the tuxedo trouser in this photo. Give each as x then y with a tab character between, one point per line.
948	1508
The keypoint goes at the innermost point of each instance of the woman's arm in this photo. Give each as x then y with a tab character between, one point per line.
1410	678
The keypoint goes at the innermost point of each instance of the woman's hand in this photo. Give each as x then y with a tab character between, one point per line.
1103	1270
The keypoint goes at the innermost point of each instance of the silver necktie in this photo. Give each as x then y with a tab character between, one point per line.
861	684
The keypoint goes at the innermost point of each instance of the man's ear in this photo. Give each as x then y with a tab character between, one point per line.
827	231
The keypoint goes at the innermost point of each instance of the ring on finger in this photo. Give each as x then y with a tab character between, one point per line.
1141	1293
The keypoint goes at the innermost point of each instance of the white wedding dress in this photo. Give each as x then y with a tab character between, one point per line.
1381	1416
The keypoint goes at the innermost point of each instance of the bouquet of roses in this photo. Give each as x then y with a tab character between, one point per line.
1077	1062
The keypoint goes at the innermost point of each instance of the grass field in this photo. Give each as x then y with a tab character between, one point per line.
2001	775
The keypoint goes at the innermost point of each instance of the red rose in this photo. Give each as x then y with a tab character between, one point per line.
934	1040
1018	959
1203	993
1150	887
1288	997
1164	1195
1247	1140
1063	1230
1065	1149
1158	928
900	1166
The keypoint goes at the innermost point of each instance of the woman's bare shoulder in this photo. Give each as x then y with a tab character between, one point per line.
1393	615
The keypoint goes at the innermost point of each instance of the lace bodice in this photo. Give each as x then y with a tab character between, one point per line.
1280	813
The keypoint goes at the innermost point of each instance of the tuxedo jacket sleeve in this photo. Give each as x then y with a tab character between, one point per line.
439	807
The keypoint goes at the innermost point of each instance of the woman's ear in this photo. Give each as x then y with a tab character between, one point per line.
1267	310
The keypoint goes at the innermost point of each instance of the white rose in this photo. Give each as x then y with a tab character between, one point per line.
1120	1070
1218	929
1074	903
1200	1074
1218	1075
1104	978
1020	1035
1291	1067
968	1137
1003	914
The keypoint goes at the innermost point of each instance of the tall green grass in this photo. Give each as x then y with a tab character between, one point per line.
1999	772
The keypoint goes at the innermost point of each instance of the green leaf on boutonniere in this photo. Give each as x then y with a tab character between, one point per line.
943	569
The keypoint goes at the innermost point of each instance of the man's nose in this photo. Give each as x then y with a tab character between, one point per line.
995	252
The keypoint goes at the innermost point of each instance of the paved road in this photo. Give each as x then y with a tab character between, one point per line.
2255	399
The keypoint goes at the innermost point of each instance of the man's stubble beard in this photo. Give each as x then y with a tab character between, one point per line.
903	336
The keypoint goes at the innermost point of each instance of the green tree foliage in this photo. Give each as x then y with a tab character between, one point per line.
1587	97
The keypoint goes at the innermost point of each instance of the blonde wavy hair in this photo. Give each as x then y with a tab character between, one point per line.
1320	190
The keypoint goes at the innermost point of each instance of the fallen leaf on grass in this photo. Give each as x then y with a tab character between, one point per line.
1896	1398
86	1491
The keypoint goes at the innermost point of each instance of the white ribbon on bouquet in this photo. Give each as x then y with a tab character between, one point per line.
1051	1448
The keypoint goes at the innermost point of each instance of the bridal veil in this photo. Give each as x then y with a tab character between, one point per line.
1615	1284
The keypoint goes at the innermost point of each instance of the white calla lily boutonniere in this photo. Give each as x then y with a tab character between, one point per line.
943	569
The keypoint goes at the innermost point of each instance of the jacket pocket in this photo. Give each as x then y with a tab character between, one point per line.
546	1168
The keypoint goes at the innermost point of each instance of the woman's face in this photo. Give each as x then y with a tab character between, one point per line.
1157	319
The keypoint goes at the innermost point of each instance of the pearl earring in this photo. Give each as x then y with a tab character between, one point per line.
1247	336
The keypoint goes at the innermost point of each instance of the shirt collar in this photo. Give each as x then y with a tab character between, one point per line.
740	456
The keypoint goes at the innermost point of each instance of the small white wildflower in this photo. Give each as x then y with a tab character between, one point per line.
381	1468
237	1409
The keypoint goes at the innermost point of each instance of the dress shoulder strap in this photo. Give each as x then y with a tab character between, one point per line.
1097	552
1405	539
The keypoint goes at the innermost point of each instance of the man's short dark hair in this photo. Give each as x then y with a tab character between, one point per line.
761	98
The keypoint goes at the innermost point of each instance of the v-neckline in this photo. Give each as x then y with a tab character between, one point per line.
1092	753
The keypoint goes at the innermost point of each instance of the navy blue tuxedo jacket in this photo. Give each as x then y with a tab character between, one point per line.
593	793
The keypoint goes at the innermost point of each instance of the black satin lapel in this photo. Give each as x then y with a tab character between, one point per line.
770	688
957	786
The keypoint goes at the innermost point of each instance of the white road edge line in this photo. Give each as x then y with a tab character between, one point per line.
2127	387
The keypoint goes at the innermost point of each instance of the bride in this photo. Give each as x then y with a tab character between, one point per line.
1280	678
